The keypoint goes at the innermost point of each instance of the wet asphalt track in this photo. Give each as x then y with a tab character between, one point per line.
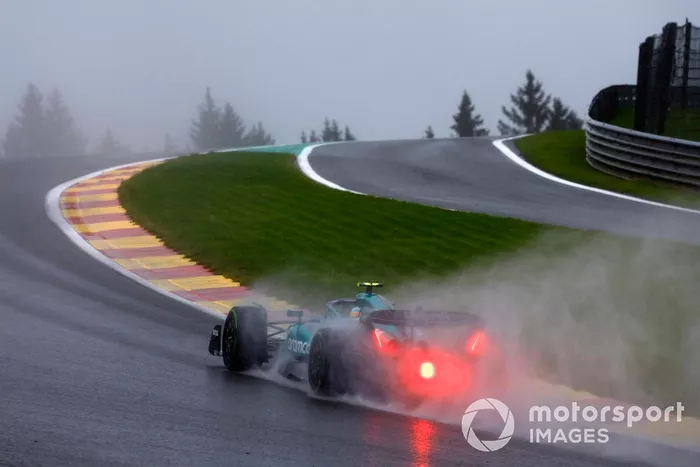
472	175
97	370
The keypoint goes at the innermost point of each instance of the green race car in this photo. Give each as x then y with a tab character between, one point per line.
359	346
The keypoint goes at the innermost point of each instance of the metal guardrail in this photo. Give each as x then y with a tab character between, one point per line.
631	154
667	88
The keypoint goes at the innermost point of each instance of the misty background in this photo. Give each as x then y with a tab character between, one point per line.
387	69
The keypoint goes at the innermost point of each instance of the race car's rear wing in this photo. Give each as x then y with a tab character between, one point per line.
424	318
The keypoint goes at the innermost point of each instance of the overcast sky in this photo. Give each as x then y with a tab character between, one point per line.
388	68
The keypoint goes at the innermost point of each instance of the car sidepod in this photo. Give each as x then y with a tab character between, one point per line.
298	341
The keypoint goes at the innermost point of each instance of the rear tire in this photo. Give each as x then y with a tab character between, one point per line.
327	374
244	338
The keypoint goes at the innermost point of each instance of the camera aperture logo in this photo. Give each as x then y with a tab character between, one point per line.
506	433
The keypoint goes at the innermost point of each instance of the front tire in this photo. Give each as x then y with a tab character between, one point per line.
244	338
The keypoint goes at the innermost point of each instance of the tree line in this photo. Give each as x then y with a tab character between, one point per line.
330	132
42	126
531	110
46	126
221	128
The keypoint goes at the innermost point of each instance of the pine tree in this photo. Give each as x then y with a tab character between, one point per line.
466	122
109	145
574	122
257	136
205	131
429	134
62	136
327	132
335	129
304	140
232	131
347	134
26	135
331	131
39	131
562	117
530	111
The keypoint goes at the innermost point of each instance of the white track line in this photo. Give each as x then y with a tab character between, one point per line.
510	154
306	169
53	209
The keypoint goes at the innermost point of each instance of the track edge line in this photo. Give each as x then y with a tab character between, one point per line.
306	169
510	154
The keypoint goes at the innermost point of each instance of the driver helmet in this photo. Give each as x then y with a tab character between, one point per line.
355	312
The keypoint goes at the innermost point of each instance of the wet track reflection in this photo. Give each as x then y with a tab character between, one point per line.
422	434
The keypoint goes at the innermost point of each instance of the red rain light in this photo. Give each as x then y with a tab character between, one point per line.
427	370
437	374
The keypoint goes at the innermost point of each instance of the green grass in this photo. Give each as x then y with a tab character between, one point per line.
563	153
679	123
255	217
611	315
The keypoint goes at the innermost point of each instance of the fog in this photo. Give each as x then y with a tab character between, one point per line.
388	69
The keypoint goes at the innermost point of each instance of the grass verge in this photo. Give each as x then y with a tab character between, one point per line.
610	315
255	217
679	123
563	153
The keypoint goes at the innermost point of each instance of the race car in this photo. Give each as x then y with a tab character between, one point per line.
359	346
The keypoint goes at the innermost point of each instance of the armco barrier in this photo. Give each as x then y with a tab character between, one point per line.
631	154
667	88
